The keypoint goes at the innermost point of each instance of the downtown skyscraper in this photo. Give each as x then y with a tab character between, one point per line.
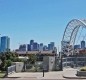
82	44
5	44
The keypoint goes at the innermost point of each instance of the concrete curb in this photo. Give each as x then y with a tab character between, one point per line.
21	77
11	77
74	77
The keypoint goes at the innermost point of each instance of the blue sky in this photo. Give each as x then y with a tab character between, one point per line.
41	20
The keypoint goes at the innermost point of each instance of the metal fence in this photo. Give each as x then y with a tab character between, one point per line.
11	69
74	61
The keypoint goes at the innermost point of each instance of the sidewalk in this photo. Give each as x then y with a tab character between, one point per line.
67	73
38	75
70	73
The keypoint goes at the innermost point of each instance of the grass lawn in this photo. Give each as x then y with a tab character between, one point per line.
2	74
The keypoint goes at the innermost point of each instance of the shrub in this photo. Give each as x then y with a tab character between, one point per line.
83	69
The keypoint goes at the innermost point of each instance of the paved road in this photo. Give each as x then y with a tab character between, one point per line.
18	79
36	79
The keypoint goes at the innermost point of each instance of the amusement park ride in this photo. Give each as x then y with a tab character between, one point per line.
69	37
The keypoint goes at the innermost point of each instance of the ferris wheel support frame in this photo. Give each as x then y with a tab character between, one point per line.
71	31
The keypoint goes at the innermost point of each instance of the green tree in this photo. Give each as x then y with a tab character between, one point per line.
8	63
7	58
3	57
32	58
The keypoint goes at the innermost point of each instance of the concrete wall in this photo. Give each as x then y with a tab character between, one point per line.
19	66
81	73
49	62
46	63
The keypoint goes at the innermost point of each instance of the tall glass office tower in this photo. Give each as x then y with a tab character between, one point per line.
5	43
83	44
31	44
51	46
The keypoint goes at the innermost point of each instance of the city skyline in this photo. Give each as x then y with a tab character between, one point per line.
35	46
43	21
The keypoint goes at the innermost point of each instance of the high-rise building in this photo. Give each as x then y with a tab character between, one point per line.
41	47
51	46
35	46
82	44
45	48
28	47
5	43
31	44
23	47
76	46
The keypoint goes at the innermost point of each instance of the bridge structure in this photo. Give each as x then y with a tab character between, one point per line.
70	34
